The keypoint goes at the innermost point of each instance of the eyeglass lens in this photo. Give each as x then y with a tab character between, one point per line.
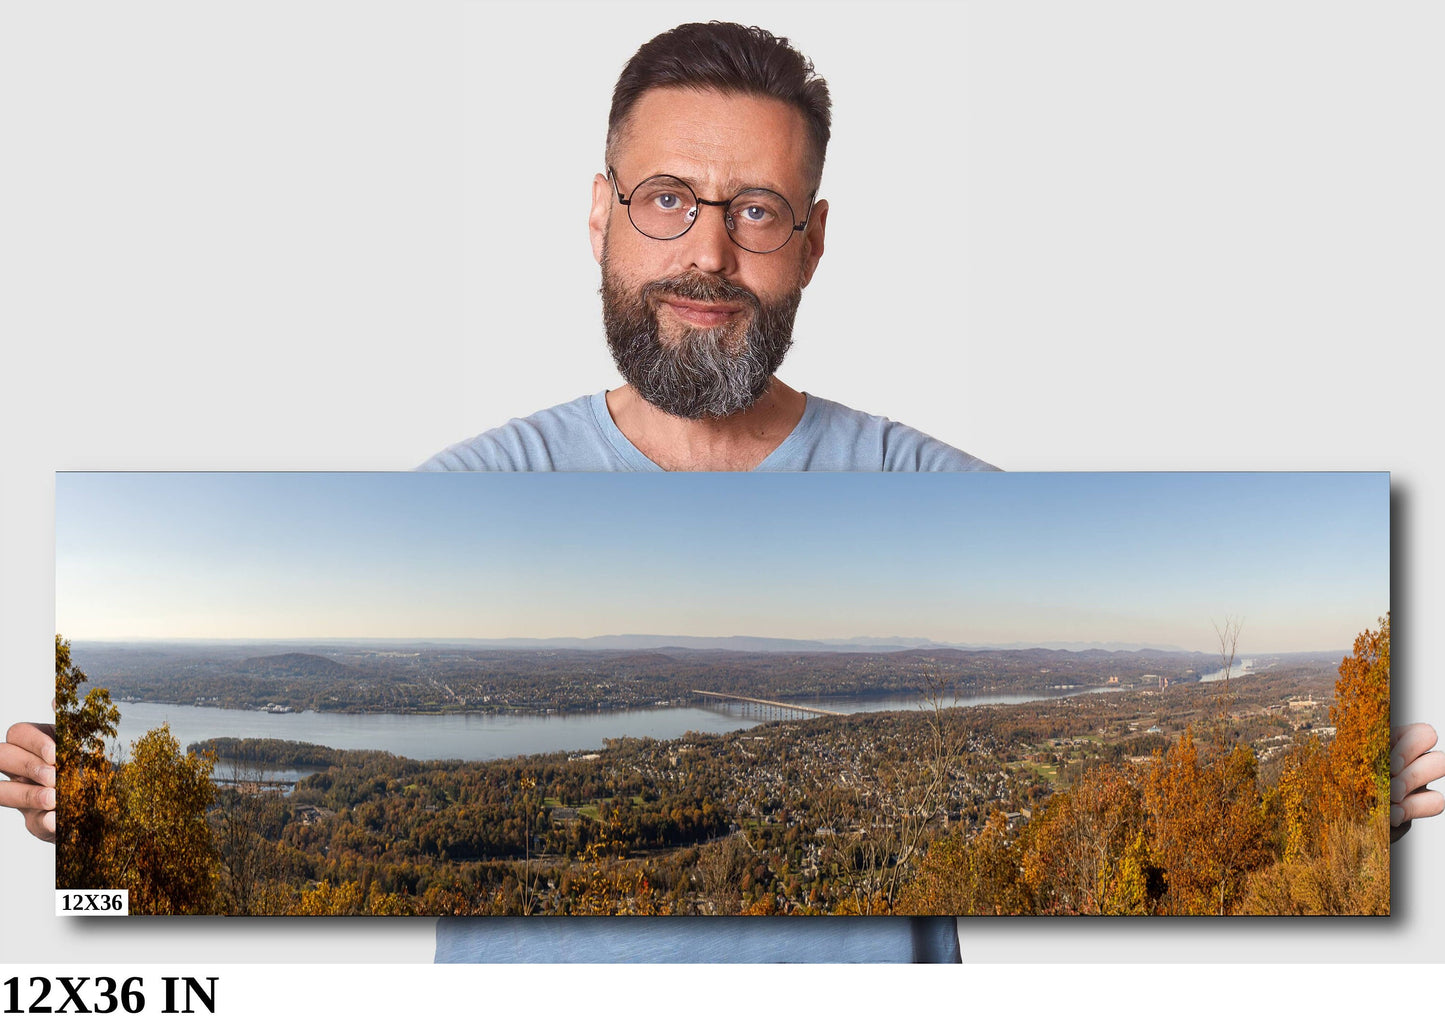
759	220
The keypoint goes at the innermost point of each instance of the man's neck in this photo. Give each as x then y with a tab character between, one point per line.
737	442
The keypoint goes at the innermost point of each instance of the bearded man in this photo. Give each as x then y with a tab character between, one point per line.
707	227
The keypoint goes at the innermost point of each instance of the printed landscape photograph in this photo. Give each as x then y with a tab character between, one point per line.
725	694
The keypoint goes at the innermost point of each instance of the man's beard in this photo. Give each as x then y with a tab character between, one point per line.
705	372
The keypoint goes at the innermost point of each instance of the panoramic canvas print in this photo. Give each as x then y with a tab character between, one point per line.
724	694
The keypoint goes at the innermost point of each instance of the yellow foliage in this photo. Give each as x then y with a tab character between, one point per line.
326	898
167	856
767	904
1085	854
609	887
1349	876
978	876
87	794
852	904
1299	797
1126	889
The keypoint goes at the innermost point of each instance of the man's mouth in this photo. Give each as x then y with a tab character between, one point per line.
699	314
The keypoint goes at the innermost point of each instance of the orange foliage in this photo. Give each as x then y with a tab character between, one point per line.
1333	803
1359	755
1208	825
1087	854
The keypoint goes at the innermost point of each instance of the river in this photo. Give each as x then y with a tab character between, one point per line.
1245	667
479	737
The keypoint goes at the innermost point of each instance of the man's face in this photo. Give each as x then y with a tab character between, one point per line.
697	324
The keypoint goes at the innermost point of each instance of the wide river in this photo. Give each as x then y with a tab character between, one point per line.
1245	667
477	737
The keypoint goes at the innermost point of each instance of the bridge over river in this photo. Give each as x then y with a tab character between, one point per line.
763	708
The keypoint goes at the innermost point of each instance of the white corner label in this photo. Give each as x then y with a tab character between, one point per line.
69	903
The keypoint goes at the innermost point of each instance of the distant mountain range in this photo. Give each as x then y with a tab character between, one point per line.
635	642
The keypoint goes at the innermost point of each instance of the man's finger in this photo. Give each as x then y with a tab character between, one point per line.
41	824
1409	743
1420	773
35	737
26	796
1417	806
24	766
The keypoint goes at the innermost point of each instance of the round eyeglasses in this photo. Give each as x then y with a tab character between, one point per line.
664	207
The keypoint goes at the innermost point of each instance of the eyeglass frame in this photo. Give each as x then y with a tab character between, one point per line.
724	203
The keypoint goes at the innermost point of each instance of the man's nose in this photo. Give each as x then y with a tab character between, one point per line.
707	245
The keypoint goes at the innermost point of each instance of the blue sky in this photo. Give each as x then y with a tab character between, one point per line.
974	558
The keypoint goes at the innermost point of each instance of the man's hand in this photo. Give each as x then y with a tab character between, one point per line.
1413	767
28	758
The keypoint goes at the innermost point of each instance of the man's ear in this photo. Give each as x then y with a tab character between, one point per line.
602	196
813	239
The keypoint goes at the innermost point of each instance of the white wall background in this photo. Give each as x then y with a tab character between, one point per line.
342	236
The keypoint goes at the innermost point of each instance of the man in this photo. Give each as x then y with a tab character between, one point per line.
707	227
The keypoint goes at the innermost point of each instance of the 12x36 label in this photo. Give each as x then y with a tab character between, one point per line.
92	902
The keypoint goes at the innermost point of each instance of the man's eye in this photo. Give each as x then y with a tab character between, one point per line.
754	214
668	201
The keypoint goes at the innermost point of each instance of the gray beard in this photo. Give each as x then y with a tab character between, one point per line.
707	373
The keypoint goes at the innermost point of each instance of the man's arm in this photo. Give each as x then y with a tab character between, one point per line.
28	758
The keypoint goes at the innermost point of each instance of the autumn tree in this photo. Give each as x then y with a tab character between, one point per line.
1239	837
241	818
975	876
167	857
88	816
606	885
1207	825
1332	803
721	866
1359	754
1295	803
1087	853
139	826
326	899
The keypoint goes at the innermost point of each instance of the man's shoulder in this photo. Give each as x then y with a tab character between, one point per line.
832	436
567	436
580	435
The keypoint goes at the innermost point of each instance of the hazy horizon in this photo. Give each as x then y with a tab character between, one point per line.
557	642
962	559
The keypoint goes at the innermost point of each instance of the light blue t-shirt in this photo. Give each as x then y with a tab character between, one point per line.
580	435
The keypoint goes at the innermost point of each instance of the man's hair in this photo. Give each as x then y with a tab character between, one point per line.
730	58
